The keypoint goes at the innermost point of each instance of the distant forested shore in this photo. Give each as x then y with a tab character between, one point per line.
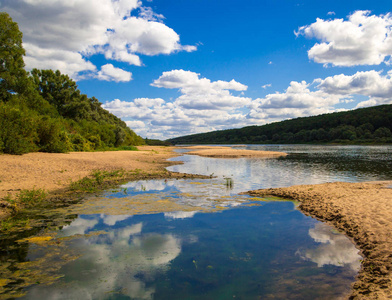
372	125
43	110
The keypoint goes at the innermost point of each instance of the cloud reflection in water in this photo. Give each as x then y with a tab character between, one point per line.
335	249
122	261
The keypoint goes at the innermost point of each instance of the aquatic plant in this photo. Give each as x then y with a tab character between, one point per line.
229	182
96	181
25	198
31	197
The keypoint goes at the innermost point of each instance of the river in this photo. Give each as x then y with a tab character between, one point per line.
198	239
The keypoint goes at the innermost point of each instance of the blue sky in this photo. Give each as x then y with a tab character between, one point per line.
175	67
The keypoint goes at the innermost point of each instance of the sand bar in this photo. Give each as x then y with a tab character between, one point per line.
364	212
228	152
53	171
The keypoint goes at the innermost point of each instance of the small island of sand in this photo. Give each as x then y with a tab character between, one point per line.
228	152
363	212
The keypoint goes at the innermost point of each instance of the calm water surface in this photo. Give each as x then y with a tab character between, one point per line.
305	165
183	239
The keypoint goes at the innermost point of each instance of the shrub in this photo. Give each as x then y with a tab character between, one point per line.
52	137
31	197
80	143
383	132
17	129
95	141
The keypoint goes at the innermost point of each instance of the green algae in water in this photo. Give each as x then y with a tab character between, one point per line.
210	251
205	256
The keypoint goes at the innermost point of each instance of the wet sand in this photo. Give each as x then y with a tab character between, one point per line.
364	212
228	152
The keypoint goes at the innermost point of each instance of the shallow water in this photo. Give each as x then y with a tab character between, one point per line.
247	253
306	164
184	239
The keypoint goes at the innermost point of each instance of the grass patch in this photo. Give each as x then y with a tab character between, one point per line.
25	199
31	197
97	181
124	148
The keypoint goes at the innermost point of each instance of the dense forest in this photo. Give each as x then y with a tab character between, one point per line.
43	110
361	126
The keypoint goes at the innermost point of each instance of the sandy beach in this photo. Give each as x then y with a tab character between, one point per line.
363	212
53	171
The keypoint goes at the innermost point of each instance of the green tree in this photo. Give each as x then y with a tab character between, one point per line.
382	132
52	137
18	129
12	72
45	110
60	91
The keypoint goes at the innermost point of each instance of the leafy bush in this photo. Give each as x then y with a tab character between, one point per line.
52	136
127	148
80	143
383	132
95	142
18	134
31	197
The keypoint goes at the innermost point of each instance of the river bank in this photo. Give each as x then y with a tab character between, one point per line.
55	172
362	211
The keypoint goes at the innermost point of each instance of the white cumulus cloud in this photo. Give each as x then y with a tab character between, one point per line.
297	101
110	73
363	39
372	84
204	105
202	93
65	34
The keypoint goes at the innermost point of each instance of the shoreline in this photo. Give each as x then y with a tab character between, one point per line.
362	212
54	173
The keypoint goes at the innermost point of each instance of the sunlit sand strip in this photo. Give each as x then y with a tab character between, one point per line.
227	152
363	212
199	147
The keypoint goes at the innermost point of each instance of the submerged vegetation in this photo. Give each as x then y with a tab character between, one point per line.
229	183
97	181
362	126
43	110
25	199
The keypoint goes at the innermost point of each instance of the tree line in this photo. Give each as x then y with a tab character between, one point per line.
361	126
43	110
